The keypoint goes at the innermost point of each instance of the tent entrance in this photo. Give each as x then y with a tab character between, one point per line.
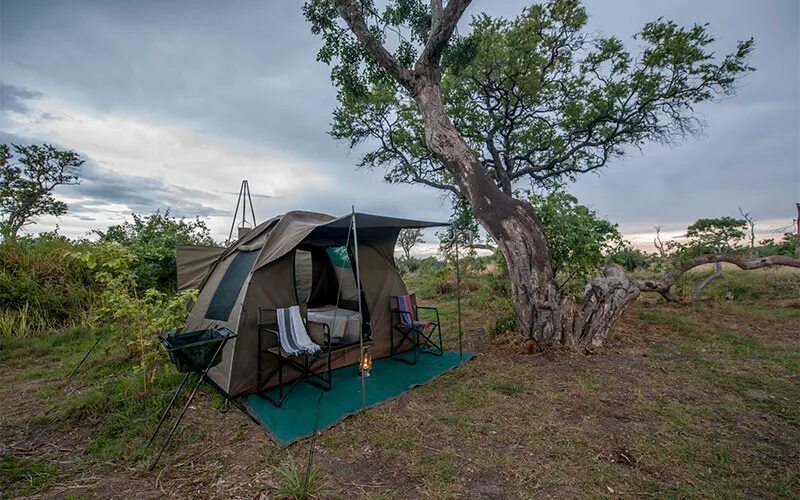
325	282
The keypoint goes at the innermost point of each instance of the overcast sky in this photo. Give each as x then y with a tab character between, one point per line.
174	103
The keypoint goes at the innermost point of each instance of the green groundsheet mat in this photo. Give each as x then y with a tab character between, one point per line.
389	379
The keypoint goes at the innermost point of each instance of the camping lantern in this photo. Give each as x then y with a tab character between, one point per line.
366	362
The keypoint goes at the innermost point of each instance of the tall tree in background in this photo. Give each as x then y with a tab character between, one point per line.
710	236
408	239
535	99
27	179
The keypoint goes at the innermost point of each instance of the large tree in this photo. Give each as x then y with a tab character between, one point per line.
531	101
27	180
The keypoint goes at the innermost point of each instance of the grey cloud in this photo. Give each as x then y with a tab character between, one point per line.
252	195
100	187
13	98
247	71
140	194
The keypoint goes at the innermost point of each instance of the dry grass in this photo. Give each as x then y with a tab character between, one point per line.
685	401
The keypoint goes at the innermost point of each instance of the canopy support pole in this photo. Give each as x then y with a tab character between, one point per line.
458	302
360	309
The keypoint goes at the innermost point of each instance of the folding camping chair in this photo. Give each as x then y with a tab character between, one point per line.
269	344
420	333
190	352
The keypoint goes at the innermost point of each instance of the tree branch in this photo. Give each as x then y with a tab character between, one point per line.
702	286
441	31
350	12
436	12
663	284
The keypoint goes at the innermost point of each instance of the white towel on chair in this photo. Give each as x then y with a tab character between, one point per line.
293	334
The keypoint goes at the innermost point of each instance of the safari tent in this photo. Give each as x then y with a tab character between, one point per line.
299	258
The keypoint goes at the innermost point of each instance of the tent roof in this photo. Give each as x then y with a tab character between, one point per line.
290	229
370	221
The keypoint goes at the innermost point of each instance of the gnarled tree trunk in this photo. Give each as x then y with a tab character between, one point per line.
542	313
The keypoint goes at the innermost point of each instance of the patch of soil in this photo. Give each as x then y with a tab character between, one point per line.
488	485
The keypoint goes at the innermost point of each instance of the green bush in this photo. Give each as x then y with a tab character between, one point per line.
151	240
499	285
789	246
578	238
41	285
502	325
630	258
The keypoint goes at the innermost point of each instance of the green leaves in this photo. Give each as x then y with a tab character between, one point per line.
579	240
151	241
537	98
722	234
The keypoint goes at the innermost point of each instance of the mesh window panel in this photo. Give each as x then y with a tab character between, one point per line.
303	273
225	296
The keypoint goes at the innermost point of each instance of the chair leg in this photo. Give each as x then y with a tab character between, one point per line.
280	381
186	406
166	411
413	338
429	346
416	345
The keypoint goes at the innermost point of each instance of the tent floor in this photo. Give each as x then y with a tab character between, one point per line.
389	379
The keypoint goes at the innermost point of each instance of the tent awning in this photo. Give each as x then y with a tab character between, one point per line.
293	227
371	221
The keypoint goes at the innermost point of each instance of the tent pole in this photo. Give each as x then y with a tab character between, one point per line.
360	311
244	203
458	302
250	198
236	212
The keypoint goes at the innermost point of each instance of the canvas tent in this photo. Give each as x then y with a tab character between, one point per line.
299	257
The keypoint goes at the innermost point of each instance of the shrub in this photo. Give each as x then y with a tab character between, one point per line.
152	239
502	325
789	245
499	285
41	285
504	320
578	238
630	258
138	317
445	285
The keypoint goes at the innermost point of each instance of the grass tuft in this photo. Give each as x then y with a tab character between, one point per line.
299	482
25	476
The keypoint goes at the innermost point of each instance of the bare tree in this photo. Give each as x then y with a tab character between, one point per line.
797	220
751	223
662	251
